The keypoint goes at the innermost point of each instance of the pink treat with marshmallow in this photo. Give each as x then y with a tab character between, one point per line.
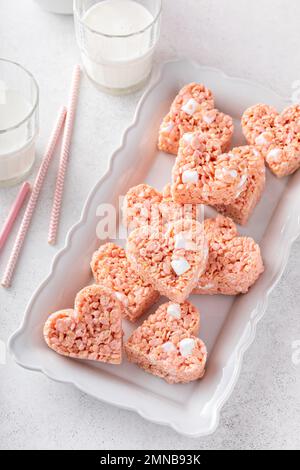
170	258
93	330
111	268
166	345
145	205
202	174
276	135
251	186
193	109
234	262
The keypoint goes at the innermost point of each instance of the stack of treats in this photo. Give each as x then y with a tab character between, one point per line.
169	251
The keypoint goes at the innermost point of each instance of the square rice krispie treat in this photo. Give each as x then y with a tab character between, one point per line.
251	187
111	268
93	330
234	262
171	259
166	345
202	174
276	135
193	109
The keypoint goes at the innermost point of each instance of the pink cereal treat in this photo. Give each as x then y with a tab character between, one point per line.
193	109
166	345
169	317
111	268
145	205
219	230
172	211
276	135
171	259
202	174
93	330
141	206
251	186
234	262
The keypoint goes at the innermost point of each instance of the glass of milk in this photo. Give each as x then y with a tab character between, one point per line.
117	39
19	98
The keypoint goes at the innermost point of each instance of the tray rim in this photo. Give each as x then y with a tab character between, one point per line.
241	347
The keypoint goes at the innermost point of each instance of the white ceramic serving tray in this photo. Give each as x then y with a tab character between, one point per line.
228	324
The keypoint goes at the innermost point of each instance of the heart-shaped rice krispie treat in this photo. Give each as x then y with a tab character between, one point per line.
145	205
251	187
93	330
191	110
234	262
111	268
202	174
171	258
166	344
276	135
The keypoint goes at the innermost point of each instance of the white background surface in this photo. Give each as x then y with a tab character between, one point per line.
256	39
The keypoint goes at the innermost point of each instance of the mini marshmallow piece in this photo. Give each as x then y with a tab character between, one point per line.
241	185
180	266
210	285
168	347
233	173
184	242
186	346
168	127
187	137
180	241
209	118
243	180
263	138
274	154
221	173
190	107
174	310
122	298
144	212
190	176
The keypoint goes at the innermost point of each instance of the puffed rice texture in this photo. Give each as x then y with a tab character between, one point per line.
277	136
193	109
92	330
251	188
144	205
171	259
166	345
234	262
111	268
202	174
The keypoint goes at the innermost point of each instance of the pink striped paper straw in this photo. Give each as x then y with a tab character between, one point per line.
8	274
13	213
64	156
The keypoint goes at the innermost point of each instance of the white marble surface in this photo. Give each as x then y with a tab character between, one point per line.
257	39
